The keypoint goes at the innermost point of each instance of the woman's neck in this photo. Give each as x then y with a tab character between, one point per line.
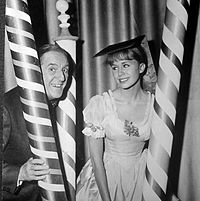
127	96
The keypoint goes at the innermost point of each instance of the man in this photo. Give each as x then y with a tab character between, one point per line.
20	170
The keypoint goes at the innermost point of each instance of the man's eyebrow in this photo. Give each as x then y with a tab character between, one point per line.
52	63
125	61
55	64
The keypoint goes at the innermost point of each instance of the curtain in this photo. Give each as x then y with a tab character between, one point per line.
51	18
189	176
103	23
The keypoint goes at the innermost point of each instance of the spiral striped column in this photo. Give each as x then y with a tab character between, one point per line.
164	113
66	124
33	98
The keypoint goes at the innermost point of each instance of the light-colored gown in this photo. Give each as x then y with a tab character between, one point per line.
124	155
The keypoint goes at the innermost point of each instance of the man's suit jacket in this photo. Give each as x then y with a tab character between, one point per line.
16	151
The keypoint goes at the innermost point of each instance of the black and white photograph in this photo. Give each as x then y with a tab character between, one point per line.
100	100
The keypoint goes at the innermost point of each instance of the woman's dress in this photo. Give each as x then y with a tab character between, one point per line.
124	155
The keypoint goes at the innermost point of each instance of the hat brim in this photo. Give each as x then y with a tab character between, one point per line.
150	78
121	46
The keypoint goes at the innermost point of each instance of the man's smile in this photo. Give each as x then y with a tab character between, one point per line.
57	85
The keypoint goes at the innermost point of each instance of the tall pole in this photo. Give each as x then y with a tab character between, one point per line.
33	97
167	87
66	110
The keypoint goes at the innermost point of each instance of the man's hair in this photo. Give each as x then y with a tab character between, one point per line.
56	48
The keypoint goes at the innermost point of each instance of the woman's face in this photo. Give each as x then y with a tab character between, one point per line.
126	72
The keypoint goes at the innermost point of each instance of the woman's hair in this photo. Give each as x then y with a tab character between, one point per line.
137	53
56	48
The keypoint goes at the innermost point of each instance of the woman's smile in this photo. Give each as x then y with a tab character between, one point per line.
122	80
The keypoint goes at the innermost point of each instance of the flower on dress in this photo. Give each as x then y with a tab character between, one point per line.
96	131
93	127
130	129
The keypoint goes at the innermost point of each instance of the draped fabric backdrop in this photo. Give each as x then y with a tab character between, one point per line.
102	22
105	22
189	176
108	21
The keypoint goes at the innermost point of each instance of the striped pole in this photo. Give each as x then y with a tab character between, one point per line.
66	122
33	98
167	87
66	110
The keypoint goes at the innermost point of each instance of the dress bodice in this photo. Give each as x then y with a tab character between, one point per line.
124	157
103	120
116	140
124	148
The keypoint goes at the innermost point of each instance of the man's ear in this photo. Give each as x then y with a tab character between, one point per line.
142	67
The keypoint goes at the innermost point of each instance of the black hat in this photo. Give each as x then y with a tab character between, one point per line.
121	46
150	78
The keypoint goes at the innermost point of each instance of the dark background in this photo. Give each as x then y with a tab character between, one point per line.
36	11
37	14
40	32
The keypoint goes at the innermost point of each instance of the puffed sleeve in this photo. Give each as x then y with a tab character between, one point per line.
93	116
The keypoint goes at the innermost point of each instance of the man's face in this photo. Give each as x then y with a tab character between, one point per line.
55	69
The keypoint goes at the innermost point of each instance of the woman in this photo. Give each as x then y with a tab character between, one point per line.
118	127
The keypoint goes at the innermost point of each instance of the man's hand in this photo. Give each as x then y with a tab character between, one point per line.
33	169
